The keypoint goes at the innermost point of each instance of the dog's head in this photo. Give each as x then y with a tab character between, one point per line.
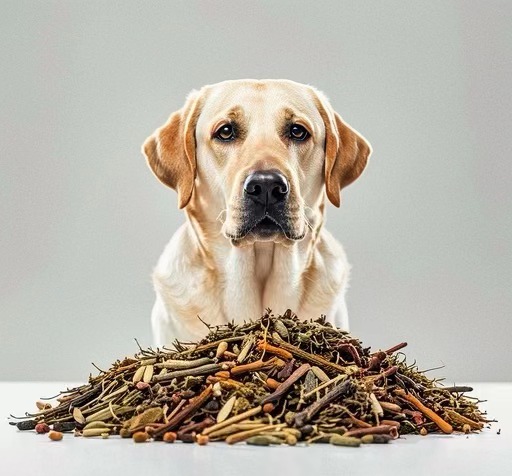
258	155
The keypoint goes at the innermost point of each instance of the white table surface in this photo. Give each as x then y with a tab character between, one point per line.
26	453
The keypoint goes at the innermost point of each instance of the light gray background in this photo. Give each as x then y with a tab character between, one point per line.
427	228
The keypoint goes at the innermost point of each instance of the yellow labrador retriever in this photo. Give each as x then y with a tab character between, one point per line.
252	162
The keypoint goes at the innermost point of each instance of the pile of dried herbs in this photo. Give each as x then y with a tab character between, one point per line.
270	381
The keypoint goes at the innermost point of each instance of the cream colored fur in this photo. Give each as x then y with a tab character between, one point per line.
202	272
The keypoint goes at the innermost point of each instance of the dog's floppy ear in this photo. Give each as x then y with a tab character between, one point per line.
346	151
171	149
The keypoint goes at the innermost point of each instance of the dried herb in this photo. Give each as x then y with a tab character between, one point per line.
271	381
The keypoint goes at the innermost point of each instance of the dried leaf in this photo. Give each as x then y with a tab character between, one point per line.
139	373
151	415
226	409
148	374
78	416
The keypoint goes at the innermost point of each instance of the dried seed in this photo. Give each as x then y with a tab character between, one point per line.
245	349
170	437
78	416
275	438
221	348
202	440
148	374
55	435
95	424
91	432
42	428
259	440
226	409
41	406
423	431
339	440
139	373
140	437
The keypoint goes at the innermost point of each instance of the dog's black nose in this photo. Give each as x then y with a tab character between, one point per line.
266	187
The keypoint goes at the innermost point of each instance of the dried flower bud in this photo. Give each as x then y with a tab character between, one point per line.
55	435
142	385
170	437
42	428
268	408
140	437
423	431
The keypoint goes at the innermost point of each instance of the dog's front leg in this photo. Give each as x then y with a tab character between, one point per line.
161	324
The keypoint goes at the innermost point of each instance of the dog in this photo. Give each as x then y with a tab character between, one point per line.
253	163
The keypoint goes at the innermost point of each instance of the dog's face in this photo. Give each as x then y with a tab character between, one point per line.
258	155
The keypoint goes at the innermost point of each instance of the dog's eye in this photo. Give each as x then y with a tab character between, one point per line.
225	133
298	132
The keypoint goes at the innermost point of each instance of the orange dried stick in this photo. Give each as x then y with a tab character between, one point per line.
223	374
444	426
230	384
274	350
253	366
